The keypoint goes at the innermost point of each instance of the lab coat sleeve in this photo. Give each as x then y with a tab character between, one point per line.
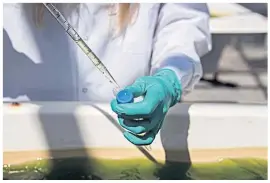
182	36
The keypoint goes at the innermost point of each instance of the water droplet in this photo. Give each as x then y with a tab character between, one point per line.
220	159
148	147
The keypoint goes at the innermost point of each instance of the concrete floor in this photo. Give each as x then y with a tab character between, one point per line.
246	67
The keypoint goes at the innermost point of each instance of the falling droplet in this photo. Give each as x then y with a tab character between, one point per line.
148	147
220	159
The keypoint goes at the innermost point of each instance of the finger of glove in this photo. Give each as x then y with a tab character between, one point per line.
142	109
138	126
137	88
140	140
147	139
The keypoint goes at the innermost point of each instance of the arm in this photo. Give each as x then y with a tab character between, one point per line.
182	36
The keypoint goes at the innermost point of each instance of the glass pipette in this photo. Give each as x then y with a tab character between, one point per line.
84	47
80	42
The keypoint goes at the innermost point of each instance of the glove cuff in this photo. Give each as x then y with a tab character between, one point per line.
172	82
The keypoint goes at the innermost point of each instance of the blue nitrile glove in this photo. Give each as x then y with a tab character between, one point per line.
161	91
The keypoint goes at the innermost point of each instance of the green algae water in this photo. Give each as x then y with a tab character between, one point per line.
136	169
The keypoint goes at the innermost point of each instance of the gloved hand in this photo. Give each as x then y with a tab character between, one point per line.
161	91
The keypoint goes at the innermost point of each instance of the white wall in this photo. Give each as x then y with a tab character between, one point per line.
71	125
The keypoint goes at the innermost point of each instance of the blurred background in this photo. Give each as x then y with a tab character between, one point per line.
235	71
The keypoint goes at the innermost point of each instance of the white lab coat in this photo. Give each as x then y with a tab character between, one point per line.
44	64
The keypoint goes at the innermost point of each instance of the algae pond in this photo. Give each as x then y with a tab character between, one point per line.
85	169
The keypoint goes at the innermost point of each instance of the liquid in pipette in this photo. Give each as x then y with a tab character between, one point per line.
98	64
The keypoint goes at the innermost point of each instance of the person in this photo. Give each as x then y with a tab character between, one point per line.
152	50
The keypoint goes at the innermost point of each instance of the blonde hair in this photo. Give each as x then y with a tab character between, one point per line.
125	14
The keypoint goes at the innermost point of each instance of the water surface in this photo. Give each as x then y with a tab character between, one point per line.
138	169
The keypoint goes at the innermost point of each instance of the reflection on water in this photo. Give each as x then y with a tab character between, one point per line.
136	169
